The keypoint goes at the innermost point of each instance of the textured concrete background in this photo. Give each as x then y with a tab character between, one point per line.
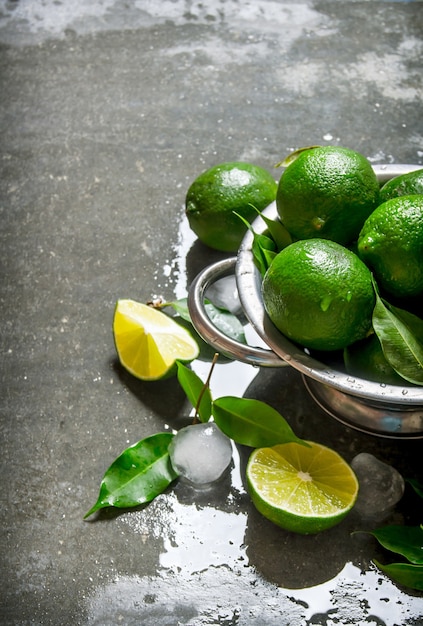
109	109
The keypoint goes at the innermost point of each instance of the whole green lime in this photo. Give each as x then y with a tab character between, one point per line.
366	359
391	245
403	185
319	294
223	190
327	192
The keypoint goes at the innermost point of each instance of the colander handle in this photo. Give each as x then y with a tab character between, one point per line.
260	357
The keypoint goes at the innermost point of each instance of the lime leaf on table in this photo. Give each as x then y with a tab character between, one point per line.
138	475
251	422
149	342
404	540
398	332
195	390
301	489
406	574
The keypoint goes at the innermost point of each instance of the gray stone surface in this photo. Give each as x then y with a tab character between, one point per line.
109	110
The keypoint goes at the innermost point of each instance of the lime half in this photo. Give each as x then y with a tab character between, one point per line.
302	489
149	342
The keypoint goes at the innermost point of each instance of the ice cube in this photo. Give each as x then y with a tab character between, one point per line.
224	294
200	453
381	486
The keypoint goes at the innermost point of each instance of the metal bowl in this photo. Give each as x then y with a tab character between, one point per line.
380	409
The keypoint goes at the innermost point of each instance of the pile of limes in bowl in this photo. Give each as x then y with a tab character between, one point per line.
349	249
350	242
341	248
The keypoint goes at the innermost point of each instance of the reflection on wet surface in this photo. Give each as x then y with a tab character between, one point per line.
222	596
205	577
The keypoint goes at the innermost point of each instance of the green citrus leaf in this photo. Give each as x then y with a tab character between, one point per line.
138	475
401	347
252	422
417	486
226	322
414	323
263	248
194	387
404	574
293	155
404	540
278	233
181	308
264	251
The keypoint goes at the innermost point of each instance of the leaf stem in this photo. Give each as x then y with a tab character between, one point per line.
205	386
157	303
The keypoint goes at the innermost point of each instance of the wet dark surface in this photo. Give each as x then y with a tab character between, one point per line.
108	112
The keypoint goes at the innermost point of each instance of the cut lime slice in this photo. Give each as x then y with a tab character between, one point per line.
149	342
302	489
